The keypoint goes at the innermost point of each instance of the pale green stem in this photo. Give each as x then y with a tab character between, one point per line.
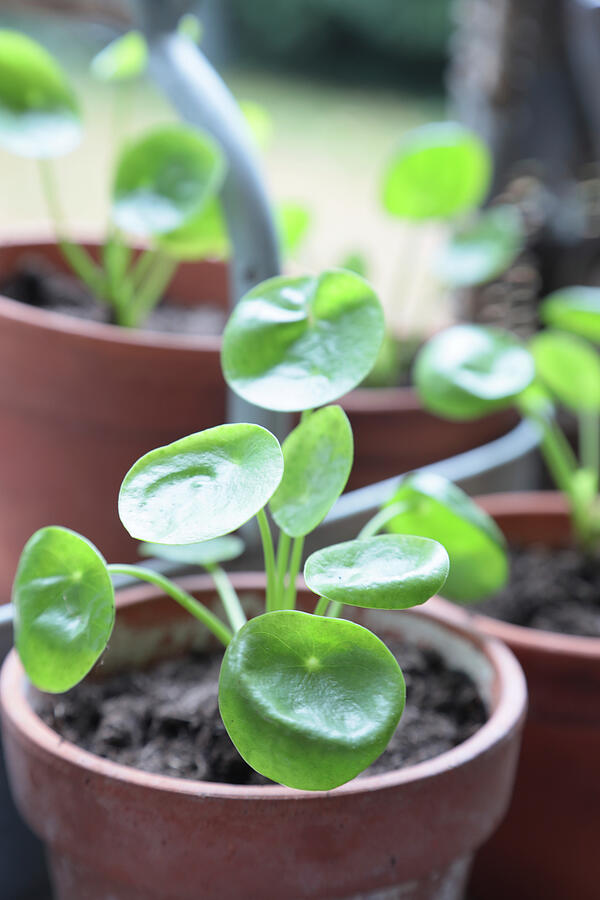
228	595
289	600
589	442
381	518
321	607
149	293
269	554
283	555
189	603
335	608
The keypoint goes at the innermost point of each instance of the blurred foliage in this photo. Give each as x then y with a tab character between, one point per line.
383	36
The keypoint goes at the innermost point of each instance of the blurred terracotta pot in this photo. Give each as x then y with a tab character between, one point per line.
81	401
548	844
114	831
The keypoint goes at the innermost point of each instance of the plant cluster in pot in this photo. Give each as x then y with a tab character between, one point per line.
310	699
550	613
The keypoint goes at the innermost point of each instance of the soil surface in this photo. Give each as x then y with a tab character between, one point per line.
165	720
38	283
549	589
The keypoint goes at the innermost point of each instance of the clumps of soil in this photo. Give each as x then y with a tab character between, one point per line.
165	720
38	283
550	589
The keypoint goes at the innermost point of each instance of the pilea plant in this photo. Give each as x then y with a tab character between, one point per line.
309	699
468	371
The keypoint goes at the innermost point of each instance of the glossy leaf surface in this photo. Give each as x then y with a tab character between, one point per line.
309	701
317	462
436	508
470	370
296	343
437	172
123	59
483	249
39	114
390	571
570	368
165	178
204	553
64	608
575	309
202	486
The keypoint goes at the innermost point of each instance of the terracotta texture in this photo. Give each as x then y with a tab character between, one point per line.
548	844
117	832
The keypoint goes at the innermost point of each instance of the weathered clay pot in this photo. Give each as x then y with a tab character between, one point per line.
80	402
113	831
548	844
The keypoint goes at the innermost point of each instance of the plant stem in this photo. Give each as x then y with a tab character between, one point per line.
228	595
289	599
189	603
335	608
149	292
283	555
381	518
269	554
589	442
321	607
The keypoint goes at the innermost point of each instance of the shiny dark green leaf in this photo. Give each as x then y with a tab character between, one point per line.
575	309
296	343
570	368
436	508
317	462
165	178
202	486
309	701
392	571
39	114
470	370
64	608
438	171
483	249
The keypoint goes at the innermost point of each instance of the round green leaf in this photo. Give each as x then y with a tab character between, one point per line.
393	571
470	370
203	237
204	553
437	509
438	171
574	309
483	249
202	486
296	343
309	701
317	459
165	179
39	114
570	368
123	59
64	608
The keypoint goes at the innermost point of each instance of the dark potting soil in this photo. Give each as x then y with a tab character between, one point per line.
38	283
550	589
166	720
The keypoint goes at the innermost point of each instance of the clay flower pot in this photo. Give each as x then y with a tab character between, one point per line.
113	831
81	401
548	844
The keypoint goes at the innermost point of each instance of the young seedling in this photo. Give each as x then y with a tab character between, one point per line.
468	371
308	699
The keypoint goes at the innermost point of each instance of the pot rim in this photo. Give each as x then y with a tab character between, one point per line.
507	714
547	503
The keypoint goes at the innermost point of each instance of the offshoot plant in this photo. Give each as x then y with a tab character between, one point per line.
469	371
308	699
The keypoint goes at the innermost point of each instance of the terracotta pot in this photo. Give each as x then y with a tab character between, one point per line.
548	844
81	401
113	831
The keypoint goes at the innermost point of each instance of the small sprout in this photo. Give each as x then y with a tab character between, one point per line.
39	113
481	250
438	172
469	371
356	262
294	221
123	59
258	121
295	343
